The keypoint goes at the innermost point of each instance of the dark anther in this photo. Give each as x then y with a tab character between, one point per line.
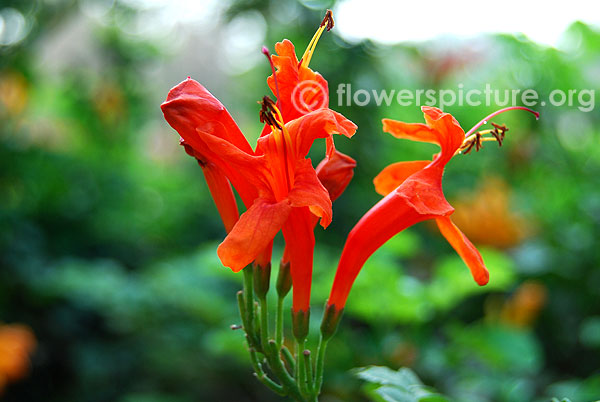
267	112
328	20
466	149
478	142
235	326
498	132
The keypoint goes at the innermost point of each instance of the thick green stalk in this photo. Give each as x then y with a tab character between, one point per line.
264	324
279	322
301	371
262	376
320	365
249	299
308	371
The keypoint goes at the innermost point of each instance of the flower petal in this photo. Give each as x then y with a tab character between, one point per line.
222	195
309	192
395	174
410	131
321	123
246	172
450	133
465	249
190	107
252	233
301	90
335	173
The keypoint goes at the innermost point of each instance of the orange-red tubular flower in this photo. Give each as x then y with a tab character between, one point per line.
190	109
288	193
413	193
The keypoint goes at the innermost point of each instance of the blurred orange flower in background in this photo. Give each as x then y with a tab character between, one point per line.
523	307
487	217
17	342
13	93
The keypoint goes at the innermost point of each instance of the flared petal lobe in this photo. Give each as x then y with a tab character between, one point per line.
301	90
441	129
309	192
465	249
335	173
253	232
190	107
395	174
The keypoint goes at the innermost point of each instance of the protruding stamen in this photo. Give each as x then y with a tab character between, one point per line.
270	114
496	113
474	138
326	24
265	51
477	138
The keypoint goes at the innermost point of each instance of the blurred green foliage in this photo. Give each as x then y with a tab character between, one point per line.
108	233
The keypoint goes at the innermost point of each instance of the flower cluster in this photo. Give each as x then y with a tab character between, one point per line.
283	191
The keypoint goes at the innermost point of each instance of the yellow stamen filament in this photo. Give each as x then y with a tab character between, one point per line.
311	47
283	141
475	139
472	136
326	24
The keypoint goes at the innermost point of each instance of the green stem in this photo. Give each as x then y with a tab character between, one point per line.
249	299
301	370
289	358
262	377
264	324
308	370
277	366
320	366
279	323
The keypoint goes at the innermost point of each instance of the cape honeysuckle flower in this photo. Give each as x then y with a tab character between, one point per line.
277	184
190	109
289	192
413	193
300	90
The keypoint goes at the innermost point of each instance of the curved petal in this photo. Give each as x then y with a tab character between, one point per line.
300	245
410	131
222	195
395	174
309	192
423	191
335	173
252	233
321	123
246	172
190	107
301	90
390	216
419	198
450	133
465	249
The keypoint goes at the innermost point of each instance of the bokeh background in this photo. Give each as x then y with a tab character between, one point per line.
110	288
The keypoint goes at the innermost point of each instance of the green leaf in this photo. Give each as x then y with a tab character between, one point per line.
396	386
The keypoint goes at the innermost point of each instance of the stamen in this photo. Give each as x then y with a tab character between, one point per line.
270	114
496	113
326	24
265	51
